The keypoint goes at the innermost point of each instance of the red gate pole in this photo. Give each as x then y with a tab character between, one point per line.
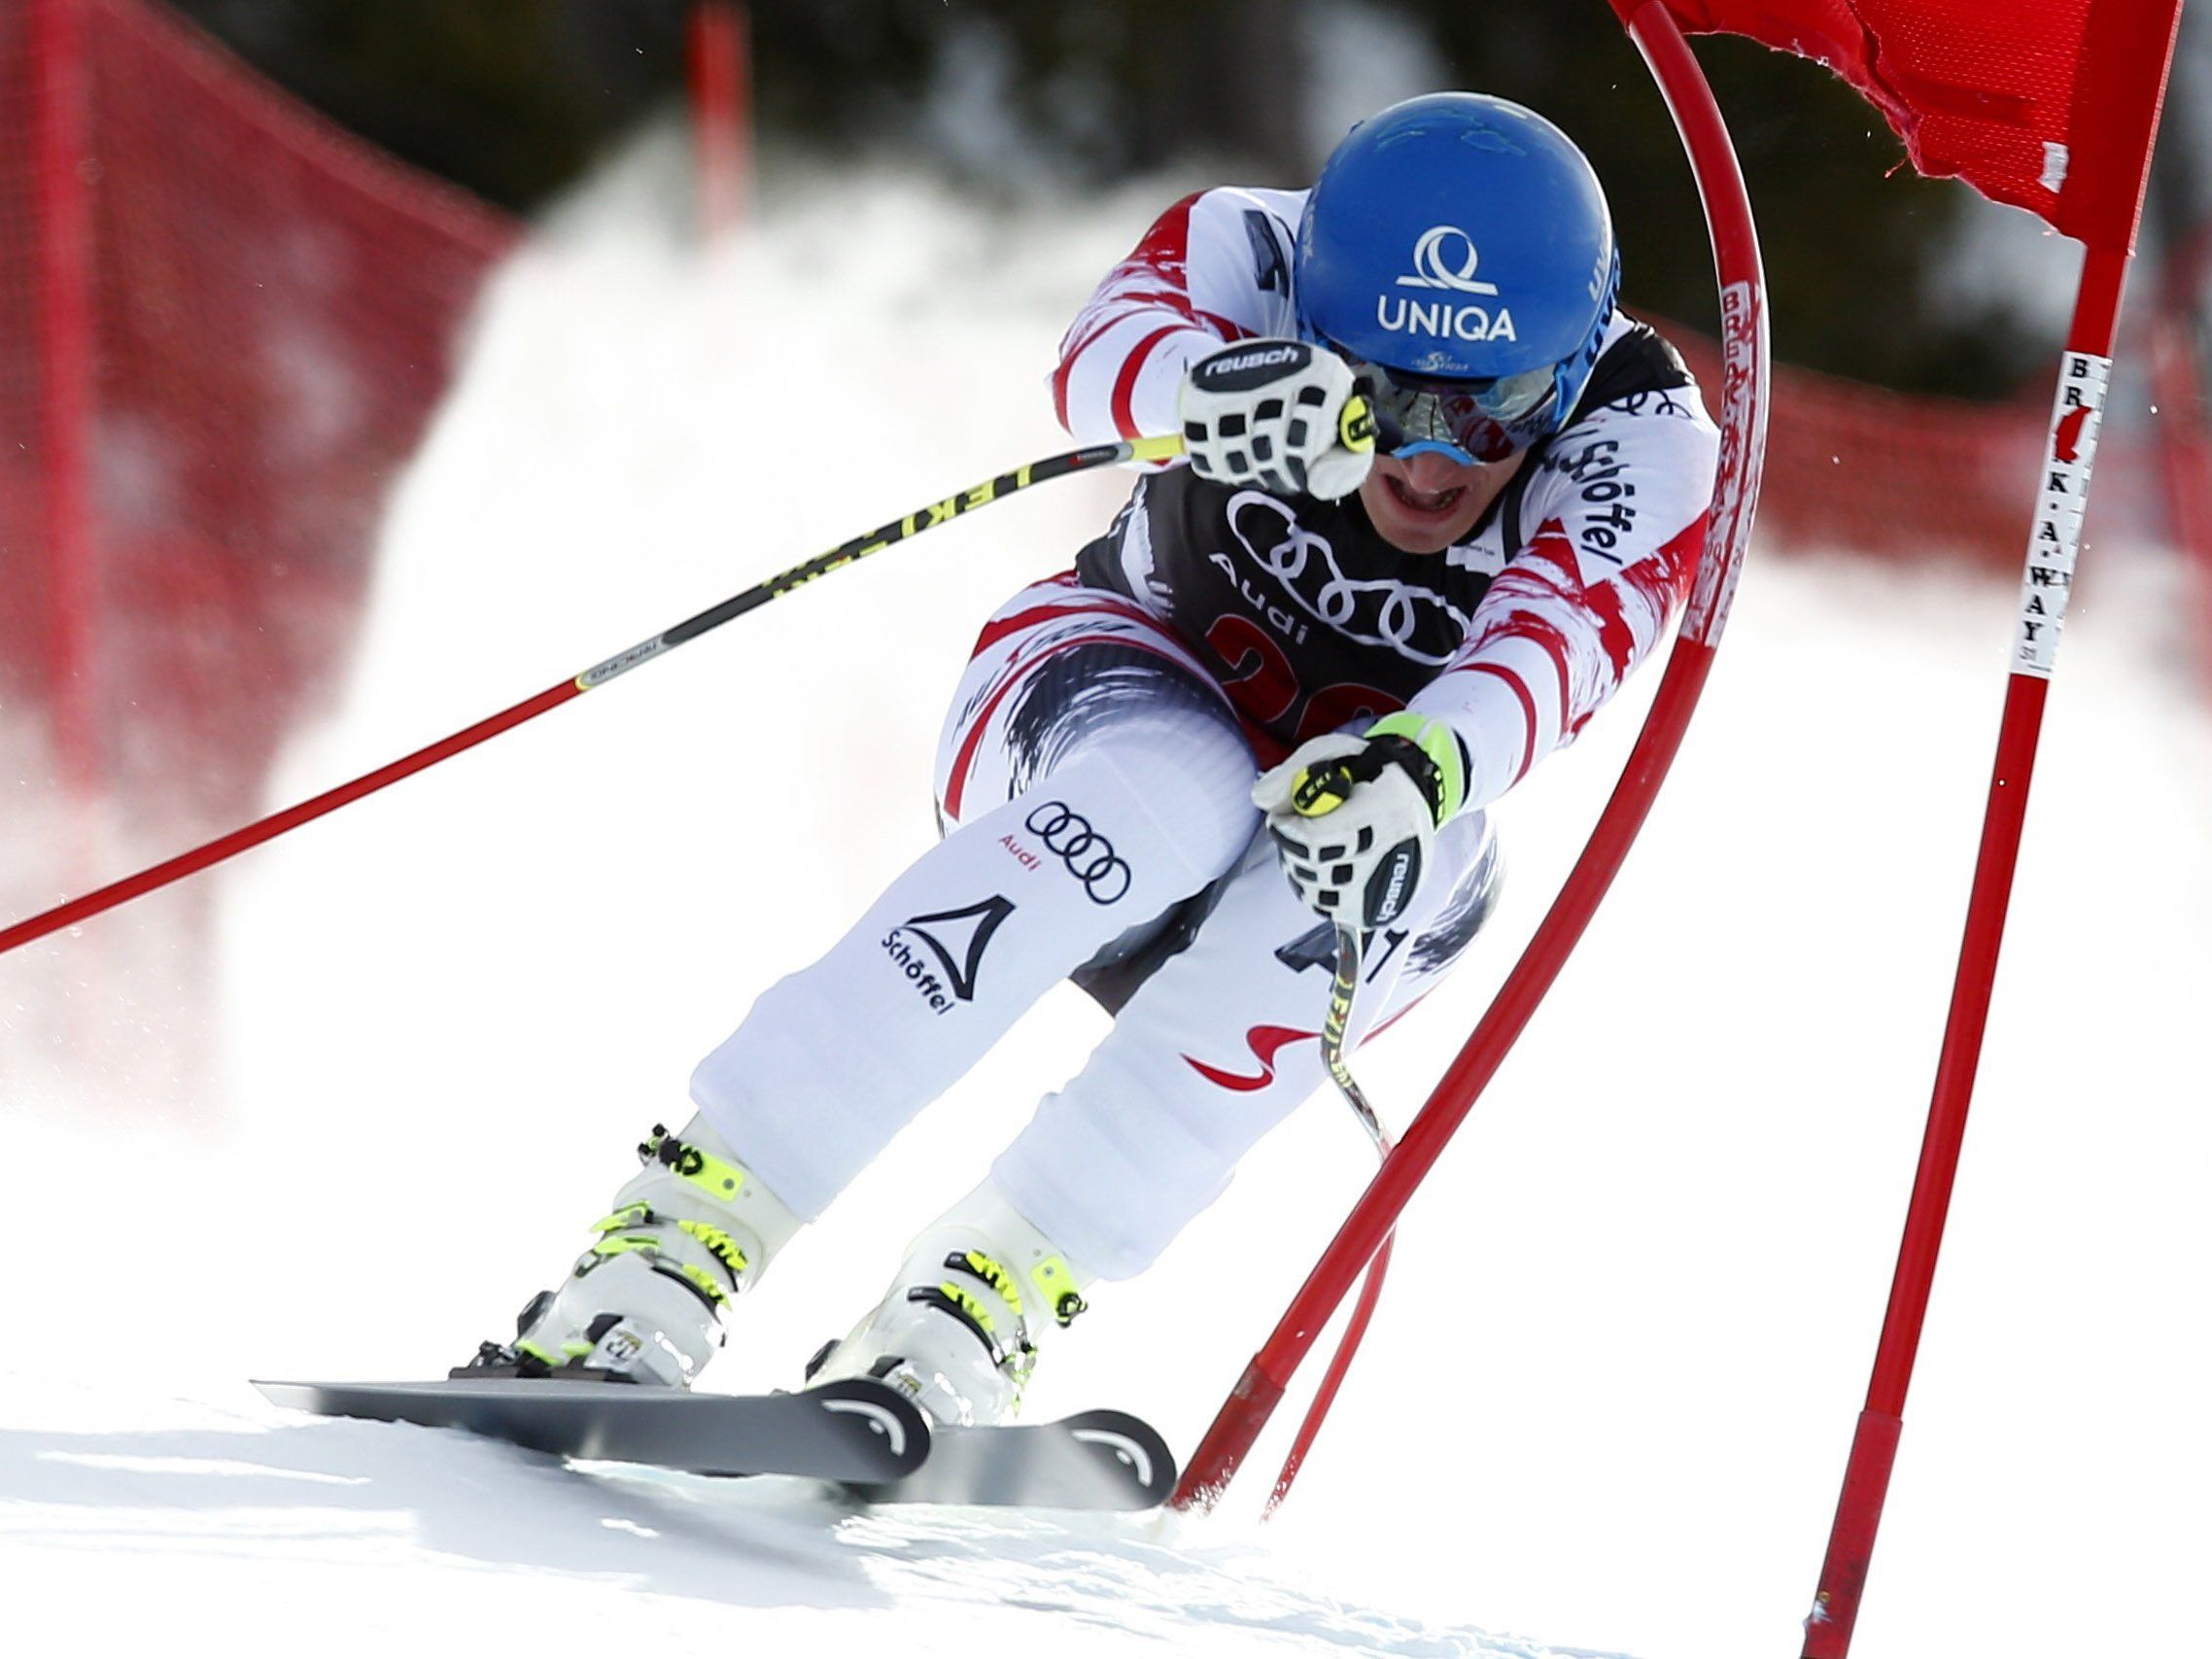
715	43
2044	590
1743	445
61	153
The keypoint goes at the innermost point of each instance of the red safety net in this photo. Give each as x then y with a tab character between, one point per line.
222	324
1855	468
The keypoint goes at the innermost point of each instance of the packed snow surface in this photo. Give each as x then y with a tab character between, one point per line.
1608	1395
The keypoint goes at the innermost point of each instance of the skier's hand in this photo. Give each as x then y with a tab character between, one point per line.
1354	817
1280	414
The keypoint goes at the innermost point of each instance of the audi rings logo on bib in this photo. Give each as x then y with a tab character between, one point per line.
1416	623
1089	856
1445	257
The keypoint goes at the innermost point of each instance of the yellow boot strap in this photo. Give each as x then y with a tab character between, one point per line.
718	1180
724	1246
993	1274
613	1242
1057	1280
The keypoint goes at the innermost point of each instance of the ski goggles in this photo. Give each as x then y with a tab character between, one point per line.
1466	420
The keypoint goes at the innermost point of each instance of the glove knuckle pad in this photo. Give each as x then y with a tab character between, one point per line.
1285	402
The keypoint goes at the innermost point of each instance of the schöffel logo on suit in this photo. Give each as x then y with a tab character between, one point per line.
1445	257
956	939
1089	856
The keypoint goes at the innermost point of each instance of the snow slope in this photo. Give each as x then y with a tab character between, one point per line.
1641	1295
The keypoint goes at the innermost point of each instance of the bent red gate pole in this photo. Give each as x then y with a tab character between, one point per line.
1743	445
2125	63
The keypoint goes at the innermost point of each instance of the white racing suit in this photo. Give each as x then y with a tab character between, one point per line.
1094	770
1096	783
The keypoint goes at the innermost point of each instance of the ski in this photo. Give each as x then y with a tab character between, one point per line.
1095	1459
857	1433
853	1430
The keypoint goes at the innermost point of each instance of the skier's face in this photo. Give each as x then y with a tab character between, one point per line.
1429	501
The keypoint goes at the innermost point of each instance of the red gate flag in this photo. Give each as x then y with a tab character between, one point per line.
2046	104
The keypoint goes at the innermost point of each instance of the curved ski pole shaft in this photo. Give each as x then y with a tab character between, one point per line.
157	876
1341	991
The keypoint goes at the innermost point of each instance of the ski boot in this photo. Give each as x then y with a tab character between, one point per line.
645	1302
958	1332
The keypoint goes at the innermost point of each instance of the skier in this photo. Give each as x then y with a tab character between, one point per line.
1291	657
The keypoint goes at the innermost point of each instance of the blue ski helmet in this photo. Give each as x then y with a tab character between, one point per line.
1458	251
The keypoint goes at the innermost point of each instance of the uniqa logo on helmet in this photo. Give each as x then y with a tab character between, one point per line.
1445	257
1459	236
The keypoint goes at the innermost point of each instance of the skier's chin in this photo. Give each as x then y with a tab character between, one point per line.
1429	503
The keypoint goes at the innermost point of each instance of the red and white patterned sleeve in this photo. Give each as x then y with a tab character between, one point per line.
1214	269
1619	511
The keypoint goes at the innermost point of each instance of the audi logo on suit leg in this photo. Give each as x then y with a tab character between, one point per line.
1089	856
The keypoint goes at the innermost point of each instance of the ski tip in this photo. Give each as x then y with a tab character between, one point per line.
878	1410
298	1396
1130	1447
1096	1460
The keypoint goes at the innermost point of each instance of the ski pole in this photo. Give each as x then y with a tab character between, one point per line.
1341	991
223	846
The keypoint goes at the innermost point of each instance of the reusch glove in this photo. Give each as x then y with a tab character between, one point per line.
1353	819
1280	414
